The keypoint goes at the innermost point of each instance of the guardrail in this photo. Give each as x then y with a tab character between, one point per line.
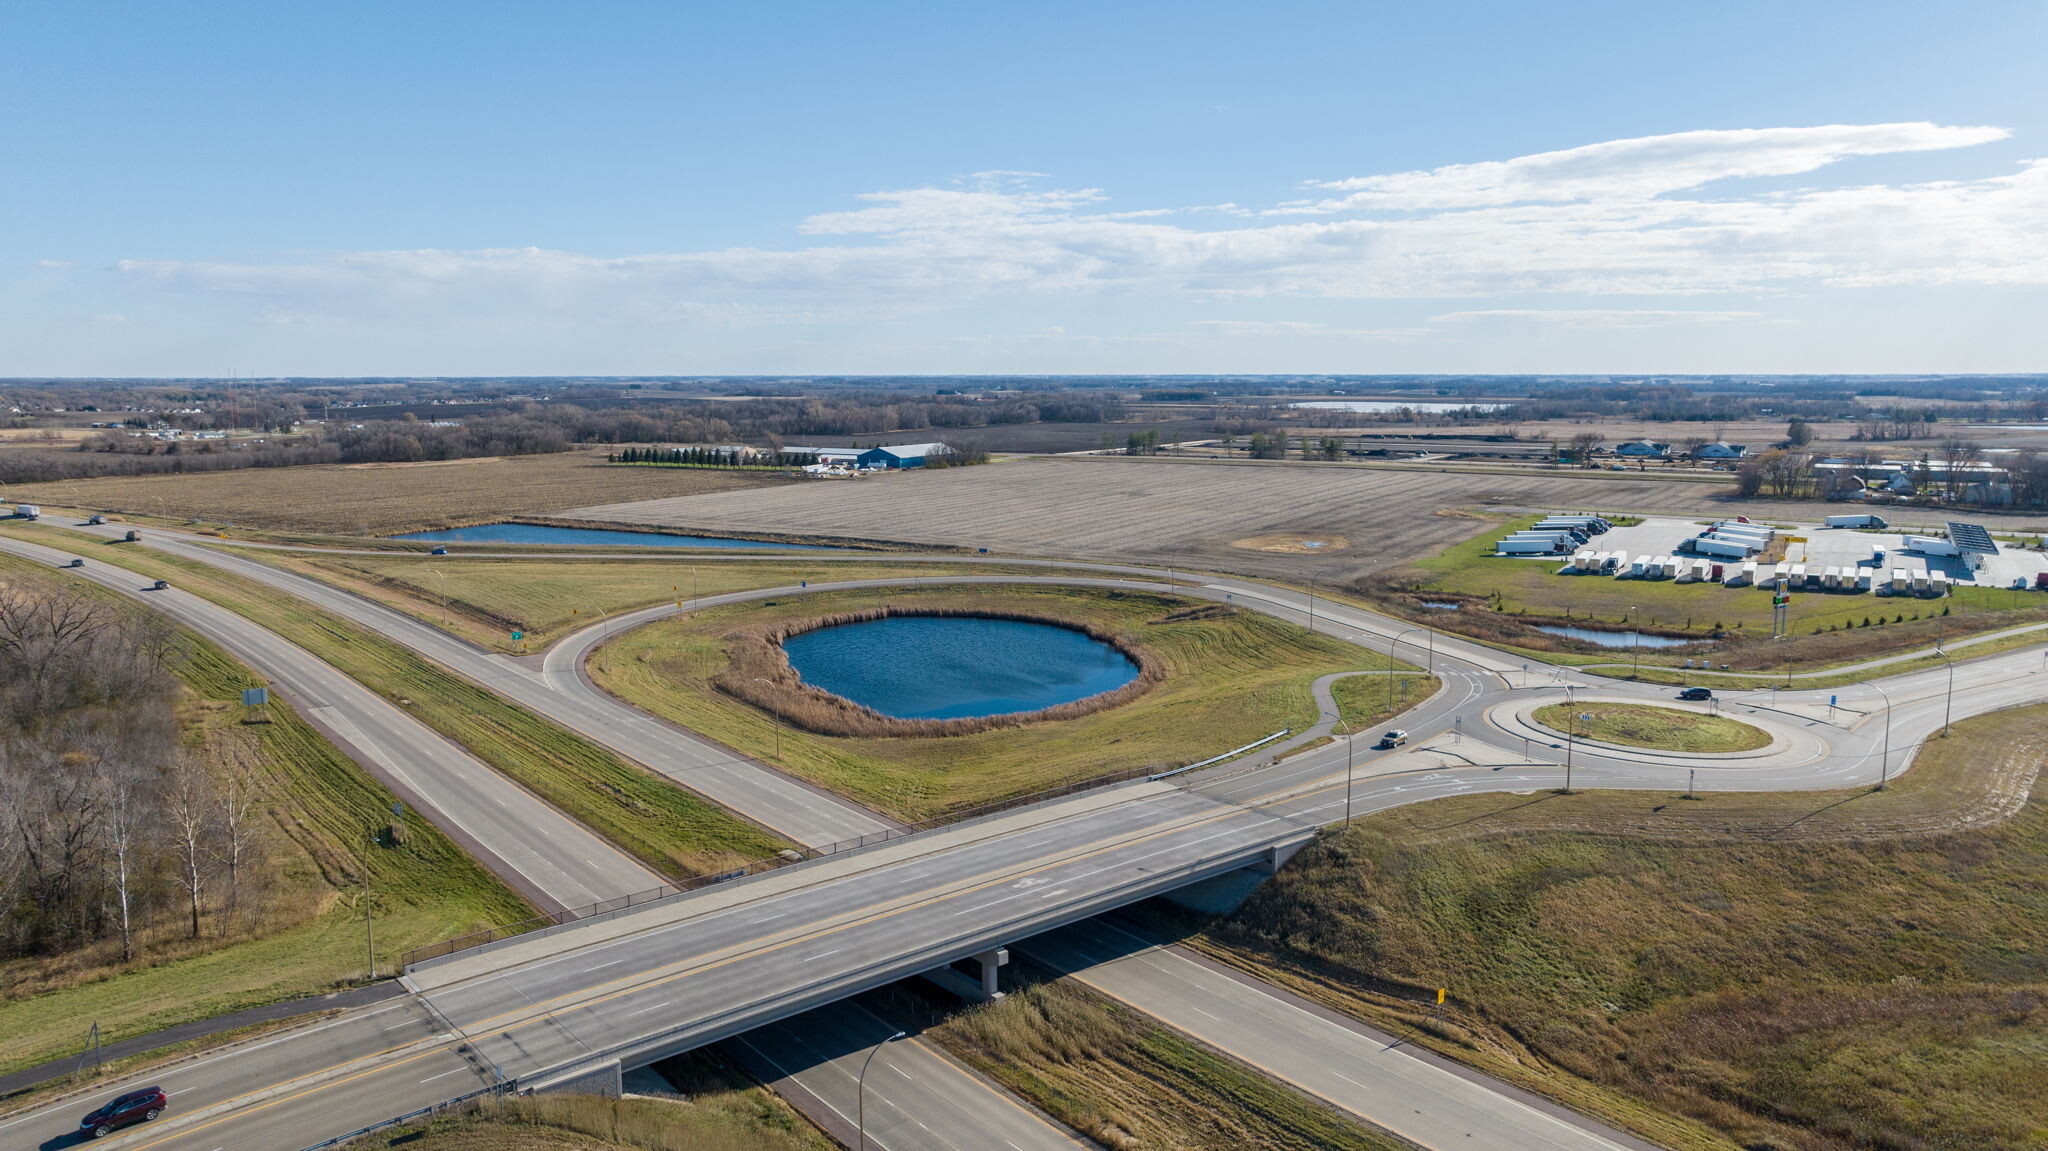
805	854
408	1117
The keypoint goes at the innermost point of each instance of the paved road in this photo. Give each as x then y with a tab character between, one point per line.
706	966
556	861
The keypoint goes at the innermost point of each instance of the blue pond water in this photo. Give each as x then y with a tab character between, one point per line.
947	667
1617	638
589	537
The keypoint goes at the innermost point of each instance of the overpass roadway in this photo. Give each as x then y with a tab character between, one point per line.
532	1013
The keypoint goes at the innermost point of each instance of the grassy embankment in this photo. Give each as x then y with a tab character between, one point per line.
1642	725
1130	1083
485	600
672	830
1363	703
718	1109
382	499
309	937
1231	677
1817	972
1502	600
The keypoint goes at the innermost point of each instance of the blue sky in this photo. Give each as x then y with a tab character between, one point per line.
617	188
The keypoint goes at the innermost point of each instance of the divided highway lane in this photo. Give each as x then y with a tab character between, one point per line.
557	861
769	798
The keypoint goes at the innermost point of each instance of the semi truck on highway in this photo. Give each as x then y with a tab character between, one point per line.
28	511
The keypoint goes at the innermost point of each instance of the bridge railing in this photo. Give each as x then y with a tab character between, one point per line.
653	895
422	1113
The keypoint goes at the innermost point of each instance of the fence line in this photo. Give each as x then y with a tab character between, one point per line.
433	1109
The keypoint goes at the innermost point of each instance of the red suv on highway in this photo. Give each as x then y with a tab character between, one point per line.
134	1107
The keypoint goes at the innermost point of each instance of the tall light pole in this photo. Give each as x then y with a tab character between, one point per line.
1311	604
1571	732
1390	655
1948	709
1348	761
1635	647
776	716
1884	767
861	1088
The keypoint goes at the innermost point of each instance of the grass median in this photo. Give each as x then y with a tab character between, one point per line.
672	830
1822	971
1231	677
485	600
308	937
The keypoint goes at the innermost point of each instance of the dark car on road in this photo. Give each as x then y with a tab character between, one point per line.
1695	693
439	552
1394	738
134	1107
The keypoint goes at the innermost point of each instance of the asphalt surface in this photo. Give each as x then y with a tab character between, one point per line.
704	968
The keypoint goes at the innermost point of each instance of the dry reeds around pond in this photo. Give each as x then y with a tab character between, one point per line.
755	654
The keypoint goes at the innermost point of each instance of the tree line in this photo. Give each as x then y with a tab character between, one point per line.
112	831
703	457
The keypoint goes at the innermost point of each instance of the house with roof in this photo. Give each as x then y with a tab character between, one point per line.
1642	449
1720	450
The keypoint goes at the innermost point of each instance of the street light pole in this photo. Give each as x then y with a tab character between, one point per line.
1949	708
1348	760
1635	647
861	1088
776	716
1884	767
1571	732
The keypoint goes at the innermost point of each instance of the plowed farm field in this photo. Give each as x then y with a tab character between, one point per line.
1254	518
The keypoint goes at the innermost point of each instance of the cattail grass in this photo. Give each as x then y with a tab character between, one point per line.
755	654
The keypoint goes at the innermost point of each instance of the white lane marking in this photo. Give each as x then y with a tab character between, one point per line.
613	963
822	954
444	1074
645	1010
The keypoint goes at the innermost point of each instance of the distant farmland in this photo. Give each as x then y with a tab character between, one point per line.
379	499
1164	510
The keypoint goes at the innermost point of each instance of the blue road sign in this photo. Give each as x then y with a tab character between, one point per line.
255	696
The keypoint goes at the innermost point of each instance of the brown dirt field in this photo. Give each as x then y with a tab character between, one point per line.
387	498
1182	512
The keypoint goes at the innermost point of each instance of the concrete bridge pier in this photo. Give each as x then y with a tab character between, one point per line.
985	990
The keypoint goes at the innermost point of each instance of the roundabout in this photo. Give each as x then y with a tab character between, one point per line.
1652	726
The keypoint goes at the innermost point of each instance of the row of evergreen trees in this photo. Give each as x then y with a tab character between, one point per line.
711	458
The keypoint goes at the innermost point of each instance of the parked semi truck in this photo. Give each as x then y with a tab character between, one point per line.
28	511
1856	520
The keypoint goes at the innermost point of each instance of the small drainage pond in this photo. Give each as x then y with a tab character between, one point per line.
951	667
1616	638
593	537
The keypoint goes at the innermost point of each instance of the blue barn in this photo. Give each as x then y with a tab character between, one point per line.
901	455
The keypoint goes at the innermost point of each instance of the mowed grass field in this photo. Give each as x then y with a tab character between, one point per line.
485	600
383	499
1642	725
1819	972
318	807
674	831
1230	680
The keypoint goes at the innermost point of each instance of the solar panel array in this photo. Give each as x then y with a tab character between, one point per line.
1972	539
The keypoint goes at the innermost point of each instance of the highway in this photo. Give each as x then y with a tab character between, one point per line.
713	964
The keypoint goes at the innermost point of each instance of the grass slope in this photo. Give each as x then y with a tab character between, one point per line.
672	830
1231	678
321	804
1644	725
1812	972
718	1109
1129	1083
485	600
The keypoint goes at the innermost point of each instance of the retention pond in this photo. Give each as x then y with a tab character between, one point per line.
950	667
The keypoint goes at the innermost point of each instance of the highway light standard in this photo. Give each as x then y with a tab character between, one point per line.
1571	732
1348	759
861	1088
776	716
1884	768
1948	709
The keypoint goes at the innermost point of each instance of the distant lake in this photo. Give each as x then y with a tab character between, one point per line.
1616	638
594	537
947	667
1390	406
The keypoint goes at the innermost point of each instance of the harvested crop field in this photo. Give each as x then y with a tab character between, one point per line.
1178	511
380	499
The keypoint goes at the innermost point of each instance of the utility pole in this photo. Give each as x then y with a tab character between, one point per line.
1949	708
1348	761
1884	766
1311	605
1571	732
369	915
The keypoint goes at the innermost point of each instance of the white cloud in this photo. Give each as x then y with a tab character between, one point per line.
1642	167
1598	317
1600	220
56	264
1298	328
